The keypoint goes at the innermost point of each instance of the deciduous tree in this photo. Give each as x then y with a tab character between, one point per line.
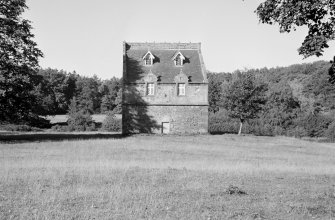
244	98
18	63
317	15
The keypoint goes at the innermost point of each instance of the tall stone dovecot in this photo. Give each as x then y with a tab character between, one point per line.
165	88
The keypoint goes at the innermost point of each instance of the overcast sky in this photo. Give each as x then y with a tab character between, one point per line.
86	36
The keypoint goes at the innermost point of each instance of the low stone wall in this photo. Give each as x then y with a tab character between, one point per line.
149	119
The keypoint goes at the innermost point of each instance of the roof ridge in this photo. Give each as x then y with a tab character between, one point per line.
162	45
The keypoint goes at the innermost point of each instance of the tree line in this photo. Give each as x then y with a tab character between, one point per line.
56	89
298	100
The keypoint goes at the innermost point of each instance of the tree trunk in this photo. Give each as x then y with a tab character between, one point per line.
240	130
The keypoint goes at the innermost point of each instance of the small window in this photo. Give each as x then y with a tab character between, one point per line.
148	61
178	60
181	89
150	88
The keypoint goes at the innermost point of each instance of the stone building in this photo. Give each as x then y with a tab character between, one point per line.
165	88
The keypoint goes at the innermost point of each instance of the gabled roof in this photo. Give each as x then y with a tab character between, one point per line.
148	54
163	67
178	53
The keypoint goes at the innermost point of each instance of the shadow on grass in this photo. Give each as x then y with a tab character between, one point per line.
42	137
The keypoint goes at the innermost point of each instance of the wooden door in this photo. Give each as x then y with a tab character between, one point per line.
165	127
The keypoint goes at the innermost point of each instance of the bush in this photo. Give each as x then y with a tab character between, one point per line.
258	127
220	123
39	122
315	125
330	133
60	128
111	123
297	132
22	128
80	121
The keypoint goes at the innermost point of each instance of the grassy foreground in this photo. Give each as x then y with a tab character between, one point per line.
168	177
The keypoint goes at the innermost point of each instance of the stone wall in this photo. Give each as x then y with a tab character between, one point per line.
149	119
196	94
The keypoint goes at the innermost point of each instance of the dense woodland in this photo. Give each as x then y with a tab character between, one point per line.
299	101
56	90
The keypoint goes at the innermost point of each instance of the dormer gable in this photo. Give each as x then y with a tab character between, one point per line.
150	77
148	59
181	77
178	59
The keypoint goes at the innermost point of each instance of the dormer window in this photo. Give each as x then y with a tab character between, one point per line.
148	59
178	59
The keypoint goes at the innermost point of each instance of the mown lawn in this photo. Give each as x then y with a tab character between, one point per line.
168	177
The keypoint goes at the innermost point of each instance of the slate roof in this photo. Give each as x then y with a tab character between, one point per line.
163	67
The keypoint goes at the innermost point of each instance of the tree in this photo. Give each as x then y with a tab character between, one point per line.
79	119
118	103
63	87
87	93
109	91
317	15
18	63
281	106
332	72
244	97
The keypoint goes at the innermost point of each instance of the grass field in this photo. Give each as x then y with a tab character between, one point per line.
168	177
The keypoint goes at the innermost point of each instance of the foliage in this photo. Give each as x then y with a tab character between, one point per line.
215	89
281	107
318	16
258	127
60	87
331	72
60	128
293	93
330	133
79	119
220	123
244	97
315	124
21	128
297	131
118	103
109	90
18	63
56	89
87	94
111	123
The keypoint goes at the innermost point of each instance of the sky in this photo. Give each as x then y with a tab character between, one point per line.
86	36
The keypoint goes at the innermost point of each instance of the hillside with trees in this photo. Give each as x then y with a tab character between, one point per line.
300	101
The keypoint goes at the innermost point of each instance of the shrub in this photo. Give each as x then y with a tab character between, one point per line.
330	133
297	132
22	128
60	128
80	121
220	123
315	125
278	131
111	123
39	122
258	127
